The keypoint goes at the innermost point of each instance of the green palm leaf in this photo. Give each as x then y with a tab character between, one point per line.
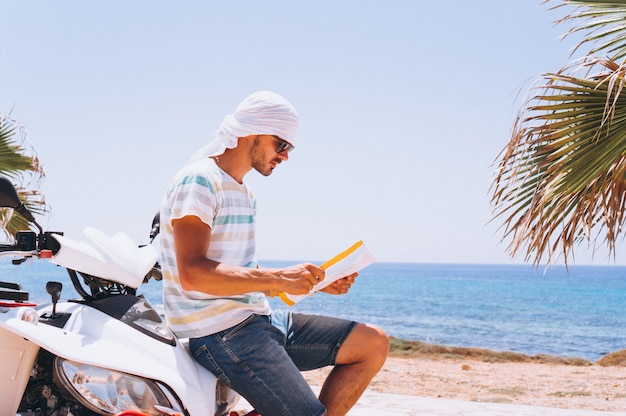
603	24
563	172
561	180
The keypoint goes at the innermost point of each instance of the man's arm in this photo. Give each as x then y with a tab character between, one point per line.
192	238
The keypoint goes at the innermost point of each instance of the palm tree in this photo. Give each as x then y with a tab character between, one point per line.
19	163
561	179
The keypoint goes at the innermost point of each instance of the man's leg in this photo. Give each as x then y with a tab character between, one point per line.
251	359
358	351
360	357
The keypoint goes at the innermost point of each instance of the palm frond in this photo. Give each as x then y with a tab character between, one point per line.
601	23
562	177
561	180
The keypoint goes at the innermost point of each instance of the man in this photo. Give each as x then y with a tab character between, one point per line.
215	293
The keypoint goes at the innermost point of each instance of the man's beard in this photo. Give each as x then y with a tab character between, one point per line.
259	163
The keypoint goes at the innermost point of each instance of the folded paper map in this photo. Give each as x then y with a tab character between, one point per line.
343	264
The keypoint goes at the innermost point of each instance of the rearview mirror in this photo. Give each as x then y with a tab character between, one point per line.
10	199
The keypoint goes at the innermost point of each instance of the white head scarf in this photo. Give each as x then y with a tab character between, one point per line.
262	112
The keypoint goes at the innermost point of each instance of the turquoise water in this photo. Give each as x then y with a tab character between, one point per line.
501	307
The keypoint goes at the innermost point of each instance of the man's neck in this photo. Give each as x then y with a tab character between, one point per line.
233	163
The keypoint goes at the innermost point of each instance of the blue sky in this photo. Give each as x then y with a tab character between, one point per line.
404	107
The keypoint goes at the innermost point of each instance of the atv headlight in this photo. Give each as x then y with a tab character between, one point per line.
142	316
107	392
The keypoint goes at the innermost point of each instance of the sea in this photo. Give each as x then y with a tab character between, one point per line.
575	312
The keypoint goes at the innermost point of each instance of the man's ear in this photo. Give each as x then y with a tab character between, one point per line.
247	140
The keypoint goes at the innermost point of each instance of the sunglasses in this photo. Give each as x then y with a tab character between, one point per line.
283	145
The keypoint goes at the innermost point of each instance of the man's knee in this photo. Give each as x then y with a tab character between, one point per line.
379	342
365	343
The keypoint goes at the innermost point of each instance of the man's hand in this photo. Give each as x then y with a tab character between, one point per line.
341	286
300	279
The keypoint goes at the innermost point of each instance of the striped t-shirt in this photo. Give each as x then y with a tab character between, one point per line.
203	190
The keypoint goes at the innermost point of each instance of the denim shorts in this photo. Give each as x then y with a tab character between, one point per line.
261	359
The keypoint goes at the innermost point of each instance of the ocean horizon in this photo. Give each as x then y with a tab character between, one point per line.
574	312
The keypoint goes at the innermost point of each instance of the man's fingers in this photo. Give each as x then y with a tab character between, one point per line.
315	274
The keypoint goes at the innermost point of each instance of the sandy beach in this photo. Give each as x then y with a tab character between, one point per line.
483	376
